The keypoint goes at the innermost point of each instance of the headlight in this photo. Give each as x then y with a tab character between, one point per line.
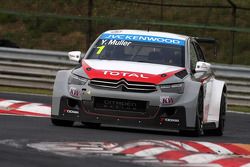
173	88
76	80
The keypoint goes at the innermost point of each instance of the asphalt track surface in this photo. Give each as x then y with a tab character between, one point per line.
16	132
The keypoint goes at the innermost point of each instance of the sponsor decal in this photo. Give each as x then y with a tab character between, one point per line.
71	111
116	42
125	74
74	92
142	38
166	100
120	105
172	120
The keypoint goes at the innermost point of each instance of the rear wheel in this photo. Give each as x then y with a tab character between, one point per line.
219	131
59	122
198	131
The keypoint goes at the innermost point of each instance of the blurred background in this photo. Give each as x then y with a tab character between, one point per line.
66	25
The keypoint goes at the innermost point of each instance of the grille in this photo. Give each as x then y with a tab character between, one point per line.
124	85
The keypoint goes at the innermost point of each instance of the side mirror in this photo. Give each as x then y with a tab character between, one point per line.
74	56
202	67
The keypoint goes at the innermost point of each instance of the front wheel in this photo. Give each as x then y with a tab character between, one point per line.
59	122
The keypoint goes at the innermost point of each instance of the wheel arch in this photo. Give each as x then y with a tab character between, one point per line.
190	100
60	89
218	87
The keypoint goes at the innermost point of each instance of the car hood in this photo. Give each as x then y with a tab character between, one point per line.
130	71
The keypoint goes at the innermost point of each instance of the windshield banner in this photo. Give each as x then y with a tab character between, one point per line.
143	38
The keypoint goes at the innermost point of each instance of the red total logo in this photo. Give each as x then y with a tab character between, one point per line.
125	74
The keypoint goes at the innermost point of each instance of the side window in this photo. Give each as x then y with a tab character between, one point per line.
193	56
199	52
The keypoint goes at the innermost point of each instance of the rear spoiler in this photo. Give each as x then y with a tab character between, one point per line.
208	40
205	40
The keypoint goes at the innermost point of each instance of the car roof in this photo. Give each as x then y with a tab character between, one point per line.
150	33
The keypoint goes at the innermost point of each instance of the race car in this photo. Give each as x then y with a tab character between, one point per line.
142	79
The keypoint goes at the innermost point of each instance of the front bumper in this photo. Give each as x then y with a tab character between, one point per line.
153	117
180	114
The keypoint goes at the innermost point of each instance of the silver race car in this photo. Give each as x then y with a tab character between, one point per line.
141	79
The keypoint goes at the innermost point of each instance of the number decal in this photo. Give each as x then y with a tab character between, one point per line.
100	49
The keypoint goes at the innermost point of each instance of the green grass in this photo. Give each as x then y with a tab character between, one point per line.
239	108
25	90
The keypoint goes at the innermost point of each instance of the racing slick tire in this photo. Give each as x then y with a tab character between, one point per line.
59	122
219	131
198	131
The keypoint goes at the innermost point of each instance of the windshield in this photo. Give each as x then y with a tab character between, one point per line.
138	51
